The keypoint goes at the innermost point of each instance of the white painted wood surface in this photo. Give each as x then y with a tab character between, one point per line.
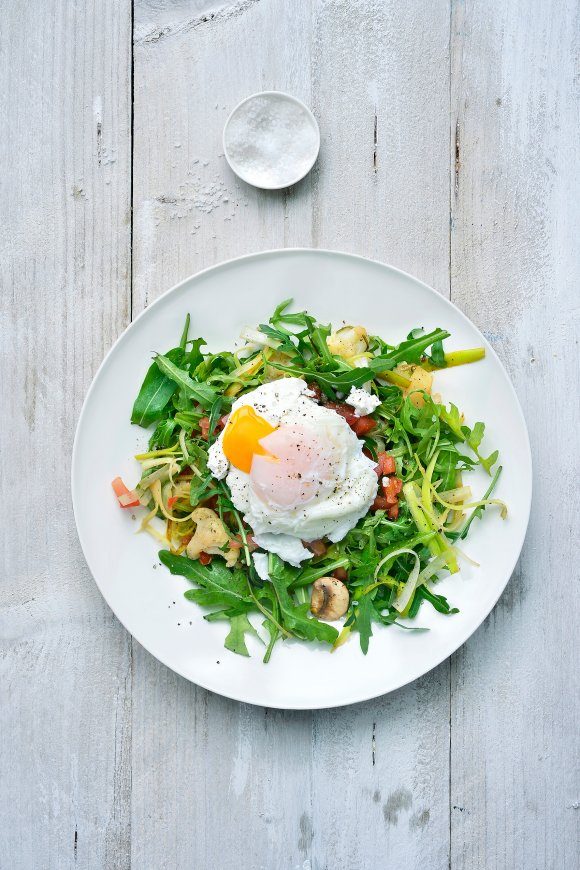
450	148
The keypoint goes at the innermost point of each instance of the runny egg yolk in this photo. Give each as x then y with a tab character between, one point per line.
242	437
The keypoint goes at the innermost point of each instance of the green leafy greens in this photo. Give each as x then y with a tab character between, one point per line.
393	556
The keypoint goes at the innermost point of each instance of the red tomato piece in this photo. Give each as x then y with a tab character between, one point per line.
364	425
393	511
204	427
127	498
386	463
318	394
205	558
380	504
345	411
391	487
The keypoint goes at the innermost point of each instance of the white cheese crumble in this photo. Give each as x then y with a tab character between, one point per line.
363	402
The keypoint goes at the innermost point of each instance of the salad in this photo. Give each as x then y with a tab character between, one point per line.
310	478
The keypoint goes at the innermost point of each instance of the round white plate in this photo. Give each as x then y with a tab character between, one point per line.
149	601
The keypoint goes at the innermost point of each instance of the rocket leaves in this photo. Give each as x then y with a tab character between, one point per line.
186	396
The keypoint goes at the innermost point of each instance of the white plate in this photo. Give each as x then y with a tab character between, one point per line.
149	601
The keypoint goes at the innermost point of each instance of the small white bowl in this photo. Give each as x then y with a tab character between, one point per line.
272	170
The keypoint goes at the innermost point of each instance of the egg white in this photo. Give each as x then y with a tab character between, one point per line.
282	530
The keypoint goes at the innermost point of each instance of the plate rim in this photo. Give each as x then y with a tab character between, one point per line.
257	255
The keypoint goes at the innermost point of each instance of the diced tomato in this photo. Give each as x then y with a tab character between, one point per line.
127	498
205	558
204	427
318	394
386	464
317	547
236	543
393	511
345	411
210	502
171	501
380	503
340	574
361	426
391	487
364	425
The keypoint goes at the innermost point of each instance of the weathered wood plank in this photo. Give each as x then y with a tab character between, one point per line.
381	93
217	783
65	275
515	266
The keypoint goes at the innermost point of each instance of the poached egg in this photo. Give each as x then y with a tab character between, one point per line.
295	469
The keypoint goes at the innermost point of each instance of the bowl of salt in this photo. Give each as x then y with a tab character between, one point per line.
271	140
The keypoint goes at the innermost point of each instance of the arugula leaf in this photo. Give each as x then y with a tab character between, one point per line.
364	615
341	380
439	602
214	415
475	435
409	351
194	356
295	615
185	333
155	393
437	357
163	436
236	639
478	512
200	392
220	586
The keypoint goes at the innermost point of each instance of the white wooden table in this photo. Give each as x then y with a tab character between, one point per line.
450	148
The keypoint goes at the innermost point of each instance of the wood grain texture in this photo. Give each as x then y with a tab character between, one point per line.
515	268
258	788
65	275
450	148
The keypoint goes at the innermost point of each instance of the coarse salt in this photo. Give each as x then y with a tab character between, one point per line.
271	140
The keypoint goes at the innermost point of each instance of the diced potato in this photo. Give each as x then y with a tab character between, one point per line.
348	341
420	380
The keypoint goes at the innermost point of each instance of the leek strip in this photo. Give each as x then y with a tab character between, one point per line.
456	496
342	637
437	545
457	358
405	595
167	451
157	497
476	504
396	379
183	445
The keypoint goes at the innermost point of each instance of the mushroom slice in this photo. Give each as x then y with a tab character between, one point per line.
210	537
329	599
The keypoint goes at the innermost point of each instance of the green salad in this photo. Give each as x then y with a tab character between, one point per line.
311	478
